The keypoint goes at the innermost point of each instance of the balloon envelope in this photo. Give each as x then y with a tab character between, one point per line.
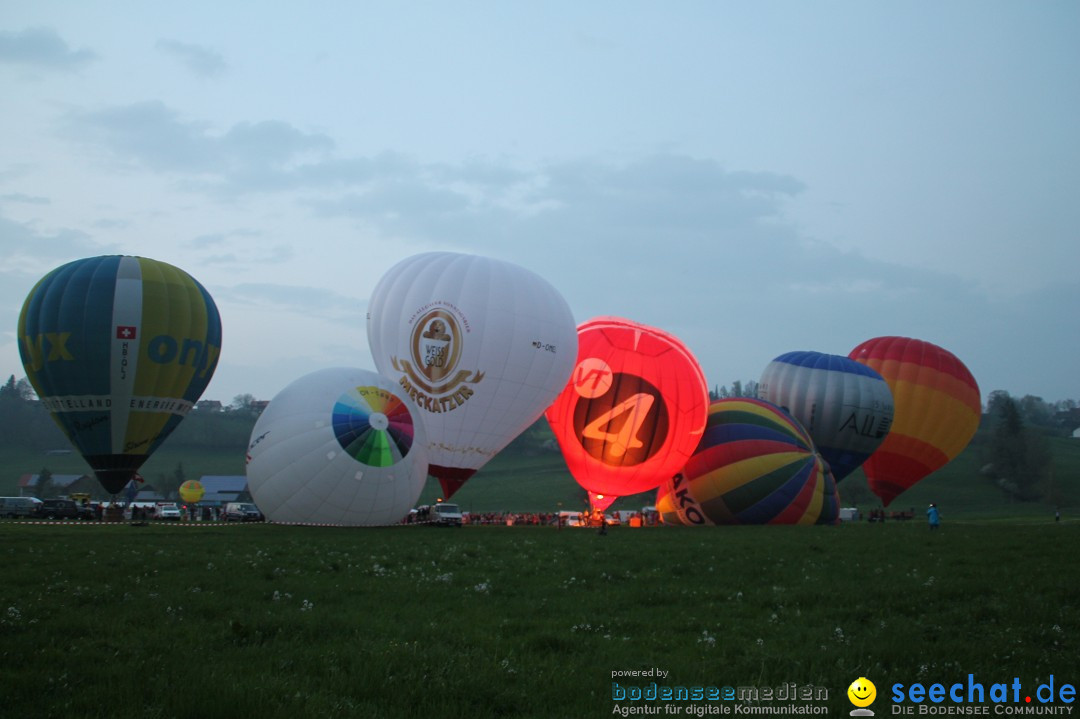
479	346
119	349
192	491
937	410
633	410
846	406
755	465
337	446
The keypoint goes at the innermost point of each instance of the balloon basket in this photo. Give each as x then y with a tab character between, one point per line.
114	513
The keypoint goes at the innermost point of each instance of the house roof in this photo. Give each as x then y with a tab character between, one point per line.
58	480
223	488
223	482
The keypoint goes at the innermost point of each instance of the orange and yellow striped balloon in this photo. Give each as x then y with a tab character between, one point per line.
937	410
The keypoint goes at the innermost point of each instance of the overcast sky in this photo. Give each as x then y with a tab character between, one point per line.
755	177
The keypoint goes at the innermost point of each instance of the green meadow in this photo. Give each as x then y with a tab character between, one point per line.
101	620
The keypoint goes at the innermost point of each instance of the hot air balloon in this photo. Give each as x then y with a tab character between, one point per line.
479	346
119	349
633	410
846	406
755	465
337	446
192	491
937	410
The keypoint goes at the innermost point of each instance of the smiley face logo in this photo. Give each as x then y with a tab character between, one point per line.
862	692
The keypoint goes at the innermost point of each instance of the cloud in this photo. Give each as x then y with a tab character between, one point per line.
25	199
151	136
42	47
268	145
600	205
257	255
264	157
212	240
204	62
15	172
357	171
672	240
296	300
240	250
23	249
669	222
398	206
111	223
677	242
26	255
403	195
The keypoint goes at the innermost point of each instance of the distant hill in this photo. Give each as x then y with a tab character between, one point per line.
530	474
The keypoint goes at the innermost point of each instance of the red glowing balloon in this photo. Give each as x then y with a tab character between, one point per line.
937	410
633	411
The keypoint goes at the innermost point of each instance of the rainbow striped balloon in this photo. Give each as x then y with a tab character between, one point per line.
755	464
936	411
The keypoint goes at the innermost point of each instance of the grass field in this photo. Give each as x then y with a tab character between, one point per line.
275	621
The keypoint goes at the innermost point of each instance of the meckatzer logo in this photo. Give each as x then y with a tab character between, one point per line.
430	376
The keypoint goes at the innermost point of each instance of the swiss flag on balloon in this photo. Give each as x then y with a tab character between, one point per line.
125	333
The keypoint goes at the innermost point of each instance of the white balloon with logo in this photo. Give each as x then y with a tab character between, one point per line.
479	346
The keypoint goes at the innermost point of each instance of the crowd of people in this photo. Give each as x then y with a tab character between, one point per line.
512	518
594	519
880	515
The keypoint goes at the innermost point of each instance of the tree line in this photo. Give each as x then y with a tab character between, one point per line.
25	423
1012	441
1014	444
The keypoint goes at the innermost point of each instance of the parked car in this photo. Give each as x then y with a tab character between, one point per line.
12	507
167	510
445	515
571	519
242	512
82	501
59	509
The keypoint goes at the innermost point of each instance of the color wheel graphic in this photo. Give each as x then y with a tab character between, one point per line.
373	426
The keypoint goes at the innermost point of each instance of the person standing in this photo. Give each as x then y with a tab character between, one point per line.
933	516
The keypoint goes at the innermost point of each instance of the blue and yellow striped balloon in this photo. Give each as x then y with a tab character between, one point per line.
119	349
755	464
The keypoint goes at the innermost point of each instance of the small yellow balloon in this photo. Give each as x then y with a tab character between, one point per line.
862	692
191	491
